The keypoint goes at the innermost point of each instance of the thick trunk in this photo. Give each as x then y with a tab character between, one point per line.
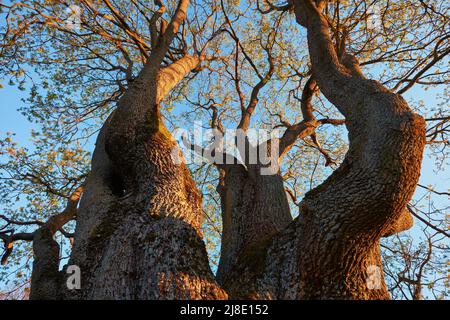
138	225
45	278
145	244
138	228
331	250
254	208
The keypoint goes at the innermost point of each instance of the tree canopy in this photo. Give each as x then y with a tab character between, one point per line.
75	60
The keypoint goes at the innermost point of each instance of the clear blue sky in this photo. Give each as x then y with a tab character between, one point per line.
12	121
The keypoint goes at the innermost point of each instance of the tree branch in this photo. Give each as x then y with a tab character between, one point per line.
53	224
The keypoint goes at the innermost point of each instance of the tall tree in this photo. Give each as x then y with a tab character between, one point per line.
331	245
141	213
139	219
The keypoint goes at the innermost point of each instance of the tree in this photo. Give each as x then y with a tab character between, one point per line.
138	224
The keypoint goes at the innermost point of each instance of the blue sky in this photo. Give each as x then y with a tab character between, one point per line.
12	121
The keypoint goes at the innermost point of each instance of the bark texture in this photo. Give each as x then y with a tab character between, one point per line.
138	229
254	207
329	250
138	235
138	223
46	278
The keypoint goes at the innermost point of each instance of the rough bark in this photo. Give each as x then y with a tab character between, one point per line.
138	230
138	233
46	278
327	252
254	208
138	224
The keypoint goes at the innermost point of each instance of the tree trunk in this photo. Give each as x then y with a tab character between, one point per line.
138	228
138	225
332	249
145	244
254	207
